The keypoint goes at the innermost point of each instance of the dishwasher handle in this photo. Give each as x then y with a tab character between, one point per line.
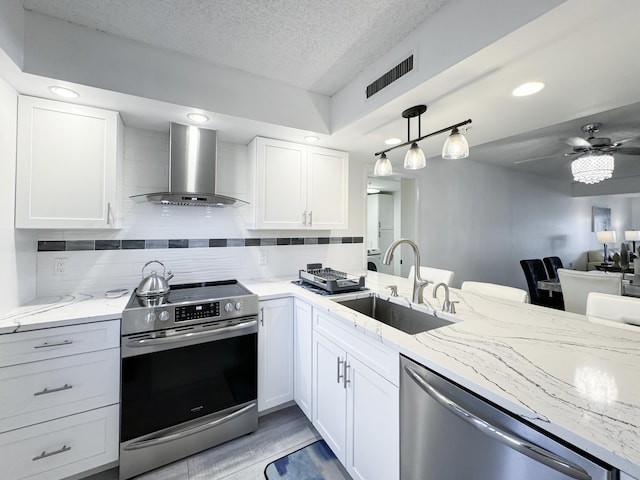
515	442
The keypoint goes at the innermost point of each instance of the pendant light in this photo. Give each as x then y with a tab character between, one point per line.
414	159
455	147
383	167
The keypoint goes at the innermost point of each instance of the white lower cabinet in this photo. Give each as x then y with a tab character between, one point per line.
62	447
303	356
275	353
59	400
356	410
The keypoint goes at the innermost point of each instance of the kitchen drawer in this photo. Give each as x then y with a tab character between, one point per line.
40	391
62	447
380	358
23	347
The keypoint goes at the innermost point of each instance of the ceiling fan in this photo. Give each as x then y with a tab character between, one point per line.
592	144
602	144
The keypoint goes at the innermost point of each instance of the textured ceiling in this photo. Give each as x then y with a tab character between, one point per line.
316	45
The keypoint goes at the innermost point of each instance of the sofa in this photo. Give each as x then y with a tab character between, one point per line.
596	257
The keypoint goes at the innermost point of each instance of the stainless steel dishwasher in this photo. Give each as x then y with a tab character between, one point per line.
449	433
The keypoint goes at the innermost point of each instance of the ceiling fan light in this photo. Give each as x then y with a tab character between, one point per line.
456	146
592	168
382	167
414	159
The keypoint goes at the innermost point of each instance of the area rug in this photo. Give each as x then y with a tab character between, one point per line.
313	462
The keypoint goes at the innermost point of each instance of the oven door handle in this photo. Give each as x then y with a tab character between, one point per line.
192	336
150	442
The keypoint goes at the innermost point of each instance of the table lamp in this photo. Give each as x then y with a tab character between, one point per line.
632	236
605	237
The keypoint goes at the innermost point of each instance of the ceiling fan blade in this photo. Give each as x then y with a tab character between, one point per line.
625	140
577	142
628	150
535	159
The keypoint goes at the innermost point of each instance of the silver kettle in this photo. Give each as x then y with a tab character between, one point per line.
154	284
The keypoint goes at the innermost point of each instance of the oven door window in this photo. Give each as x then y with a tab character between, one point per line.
169	387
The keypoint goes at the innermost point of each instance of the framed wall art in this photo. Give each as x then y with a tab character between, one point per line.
600	219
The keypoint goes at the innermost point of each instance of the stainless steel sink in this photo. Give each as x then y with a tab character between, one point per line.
395	315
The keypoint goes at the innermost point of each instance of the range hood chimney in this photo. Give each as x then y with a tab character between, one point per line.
192	170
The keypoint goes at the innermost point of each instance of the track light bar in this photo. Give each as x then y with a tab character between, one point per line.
437	132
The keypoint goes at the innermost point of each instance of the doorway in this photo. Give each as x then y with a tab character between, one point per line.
391	214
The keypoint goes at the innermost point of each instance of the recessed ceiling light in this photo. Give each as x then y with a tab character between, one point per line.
392	141
64	92
311	139
373	190
198	117
528	88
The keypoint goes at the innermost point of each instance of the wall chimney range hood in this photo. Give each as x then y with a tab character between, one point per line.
192	170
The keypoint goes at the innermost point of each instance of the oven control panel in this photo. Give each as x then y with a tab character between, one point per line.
185	313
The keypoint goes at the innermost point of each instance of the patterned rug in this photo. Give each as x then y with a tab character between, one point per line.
313	462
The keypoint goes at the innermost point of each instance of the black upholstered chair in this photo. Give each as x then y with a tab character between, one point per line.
552	264
534	271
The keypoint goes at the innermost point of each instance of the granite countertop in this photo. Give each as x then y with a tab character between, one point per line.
572	376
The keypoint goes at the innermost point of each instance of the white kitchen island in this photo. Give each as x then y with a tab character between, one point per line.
574	378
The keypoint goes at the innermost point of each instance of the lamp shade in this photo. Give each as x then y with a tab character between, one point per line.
456	146
632	235
606	236
382	167
592	168
414	158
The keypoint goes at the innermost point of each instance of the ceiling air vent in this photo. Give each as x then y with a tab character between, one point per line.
391	76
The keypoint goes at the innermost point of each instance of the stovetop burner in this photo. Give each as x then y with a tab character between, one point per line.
189	304
192	292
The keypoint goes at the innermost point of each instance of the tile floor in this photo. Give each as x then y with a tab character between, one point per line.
245	458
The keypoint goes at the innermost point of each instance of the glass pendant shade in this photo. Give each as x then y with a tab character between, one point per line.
382	167
456	146
414	158
592	168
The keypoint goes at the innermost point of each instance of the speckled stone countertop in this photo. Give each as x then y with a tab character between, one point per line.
574	377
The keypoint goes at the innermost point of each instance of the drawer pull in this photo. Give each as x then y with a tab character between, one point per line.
66	386
50	454
61	344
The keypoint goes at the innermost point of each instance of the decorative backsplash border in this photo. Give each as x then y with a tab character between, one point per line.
79	245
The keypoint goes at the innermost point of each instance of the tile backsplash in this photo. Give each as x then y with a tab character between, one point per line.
195	243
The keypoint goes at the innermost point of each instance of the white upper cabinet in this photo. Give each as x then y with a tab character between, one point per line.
298	187
66	167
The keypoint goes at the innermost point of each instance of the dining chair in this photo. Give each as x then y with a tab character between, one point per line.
552	264
533	272
615	308
576	286
434	275
497	291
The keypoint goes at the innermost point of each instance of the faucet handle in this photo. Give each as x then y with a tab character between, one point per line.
394	290
452	306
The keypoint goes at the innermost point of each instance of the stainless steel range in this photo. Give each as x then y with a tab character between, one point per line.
189	372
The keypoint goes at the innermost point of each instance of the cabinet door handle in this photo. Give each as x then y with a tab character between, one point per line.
304	218
340	375
47	345
262	316
310	218
50	454
46	390
109	213
345	380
